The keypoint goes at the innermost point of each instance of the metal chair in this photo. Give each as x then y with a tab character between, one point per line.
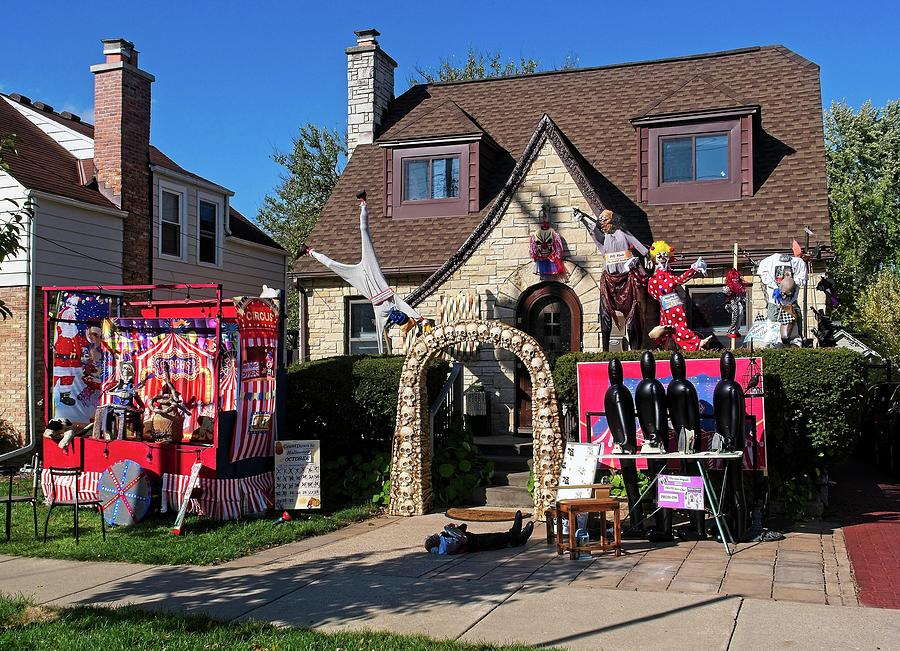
9	499
76	502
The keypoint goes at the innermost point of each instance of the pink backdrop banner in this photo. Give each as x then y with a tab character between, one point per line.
593	381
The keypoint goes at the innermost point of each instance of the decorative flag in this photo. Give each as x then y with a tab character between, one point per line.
257	320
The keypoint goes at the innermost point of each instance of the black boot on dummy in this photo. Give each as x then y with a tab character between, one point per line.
526	534
516	530
684	410
619	406
730	411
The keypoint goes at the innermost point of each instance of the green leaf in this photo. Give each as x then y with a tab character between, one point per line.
446	470
465	465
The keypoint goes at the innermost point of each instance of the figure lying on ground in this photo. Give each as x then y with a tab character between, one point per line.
455	539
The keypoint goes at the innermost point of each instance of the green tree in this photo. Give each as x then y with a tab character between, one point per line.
482	65
311	170
12	217
863	164
878	312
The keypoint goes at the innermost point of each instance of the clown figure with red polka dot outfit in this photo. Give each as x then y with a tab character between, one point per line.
661	286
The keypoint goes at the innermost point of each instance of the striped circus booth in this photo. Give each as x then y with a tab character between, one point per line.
220	499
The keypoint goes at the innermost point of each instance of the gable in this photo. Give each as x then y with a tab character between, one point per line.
700	93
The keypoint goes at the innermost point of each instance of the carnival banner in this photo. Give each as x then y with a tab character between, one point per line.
144	350
257	320
78	356
593	381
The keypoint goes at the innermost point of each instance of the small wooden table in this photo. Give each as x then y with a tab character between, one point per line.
570	509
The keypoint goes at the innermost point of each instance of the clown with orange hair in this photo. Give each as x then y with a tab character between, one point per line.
661	286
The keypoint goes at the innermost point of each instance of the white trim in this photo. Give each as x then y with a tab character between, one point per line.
77	144
190	180
257	245
181	191
217	201
84	205
431	141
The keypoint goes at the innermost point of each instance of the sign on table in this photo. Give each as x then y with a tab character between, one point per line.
578	467
297	475
680	492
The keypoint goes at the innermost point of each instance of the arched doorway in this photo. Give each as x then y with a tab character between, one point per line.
551	313
411	448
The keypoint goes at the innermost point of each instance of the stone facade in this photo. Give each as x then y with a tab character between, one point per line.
370	88
411	454
500	271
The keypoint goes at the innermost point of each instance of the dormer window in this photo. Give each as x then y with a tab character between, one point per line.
438	181
430	178
694	158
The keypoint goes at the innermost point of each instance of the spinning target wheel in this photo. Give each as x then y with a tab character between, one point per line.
124	493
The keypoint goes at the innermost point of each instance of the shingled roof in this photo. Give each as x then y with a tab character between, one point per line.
592	109
40	163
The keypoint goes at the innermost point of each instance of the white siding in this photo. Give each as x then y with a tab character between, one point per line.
77	144
13	271
76	246
244	267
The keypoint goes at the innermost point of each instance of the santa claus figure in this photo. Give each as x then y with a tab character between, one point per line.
67	353
661	286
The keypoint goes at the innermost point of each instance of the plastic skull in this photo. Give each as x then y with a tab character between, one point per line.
506	338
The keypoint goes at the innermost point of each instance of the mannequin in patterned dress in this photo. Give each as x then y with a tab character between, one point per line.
661	286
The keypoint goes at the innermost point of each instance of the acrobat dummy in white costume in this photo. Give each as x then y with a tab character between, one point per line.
366	277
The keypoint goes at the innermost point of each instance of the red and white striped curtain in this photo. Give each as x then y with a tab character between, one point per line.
221	499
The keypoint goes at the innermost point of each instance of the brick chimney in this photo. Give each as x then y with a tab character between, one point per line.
122	149
370	88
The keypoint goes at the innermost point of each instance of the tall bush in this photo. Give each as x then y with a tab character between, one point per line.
350	404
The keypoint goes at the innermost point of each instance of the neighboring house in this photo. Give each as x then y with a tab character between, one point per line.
458	174
111	209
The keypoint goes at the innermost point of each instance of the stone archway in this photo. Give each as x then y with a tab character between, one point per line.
411	451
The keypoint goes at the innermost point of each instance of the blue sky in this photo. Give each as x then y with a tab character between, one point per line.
235	80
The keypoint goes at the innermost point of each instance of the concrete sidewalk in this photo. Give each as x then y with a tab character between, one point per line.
375	575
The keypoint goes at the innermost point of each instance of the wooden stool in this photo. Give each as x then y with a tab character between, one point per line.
570	509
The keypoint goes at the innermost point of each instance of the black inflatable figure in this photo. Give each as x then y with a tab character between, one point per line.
619	408
684	410
730	411
650	399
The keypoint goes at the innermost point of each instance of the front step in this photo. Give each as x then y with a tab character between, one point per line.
505	496
505	445
511	478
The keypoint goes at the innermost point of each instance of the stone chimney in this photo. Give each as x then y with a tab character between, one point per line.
370	88
122	150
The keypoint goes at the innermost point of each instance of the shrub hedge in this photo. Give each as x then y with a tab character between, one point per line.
349	402
813	401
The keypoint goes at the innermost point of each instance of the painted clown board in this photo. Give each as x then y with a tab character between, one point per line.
593	381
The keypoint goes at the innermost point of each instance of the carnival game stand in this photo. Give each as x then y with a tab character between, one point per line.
164	384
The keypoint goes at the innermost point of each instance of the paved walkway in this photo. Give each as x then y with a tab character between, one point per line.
868	506
375	575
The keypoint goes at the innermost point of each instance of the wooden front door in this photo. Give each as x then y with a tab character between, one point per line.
551	313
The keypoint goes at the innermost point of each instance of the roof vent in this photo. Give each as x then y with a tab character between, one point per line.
40	106
21	99
70	116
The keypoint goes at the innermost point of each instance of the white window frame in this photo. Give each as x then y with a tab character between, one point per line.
181	191
220	215
350	301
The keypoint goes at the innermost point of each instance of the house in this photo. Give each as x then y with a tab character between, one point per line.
458	175
111	209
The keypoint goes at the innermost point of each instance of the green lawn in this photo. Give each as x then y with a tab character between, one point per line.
28	627
203	542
